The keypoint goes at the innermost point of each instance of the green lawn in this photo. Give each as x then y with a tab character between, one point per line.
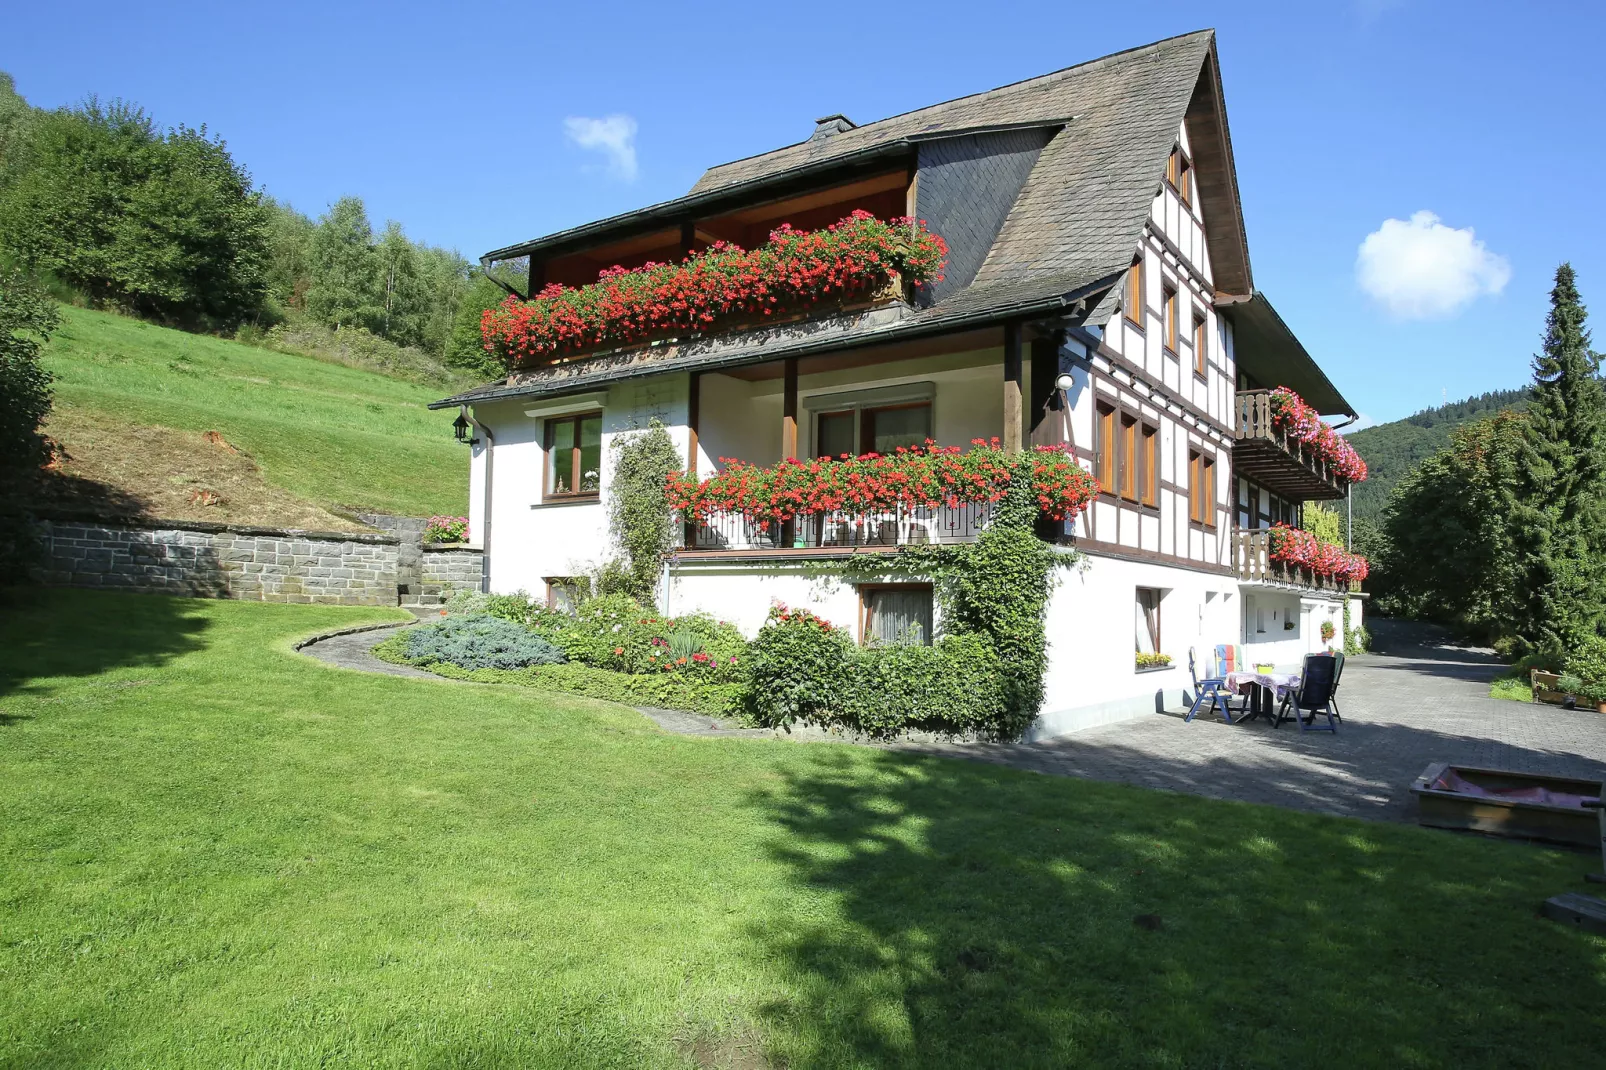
332	435
217	852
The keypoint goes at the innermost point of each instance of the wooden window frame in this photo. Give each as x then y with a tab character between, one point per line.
1201	344
1105	468
553	583
865	621
867	420
1202	488
1153	626
548	437
1149	464
1126	457
1134	293
1170	315
1179	172
853	416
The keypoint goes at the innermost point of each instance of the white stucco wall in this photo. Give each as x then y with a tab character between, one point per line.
1091	626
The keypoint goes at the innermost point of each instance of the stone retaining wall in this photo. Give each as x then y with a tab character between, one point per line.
448	568
223	561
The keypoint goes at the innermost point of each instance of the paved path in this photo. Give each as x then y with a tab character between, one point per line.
1417	701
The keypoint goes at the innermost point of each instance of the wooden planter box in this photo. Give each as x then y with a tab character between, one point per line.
1544	689
1441	807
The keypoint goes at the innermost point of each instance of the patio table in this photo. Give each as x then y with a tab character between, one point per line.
1269	687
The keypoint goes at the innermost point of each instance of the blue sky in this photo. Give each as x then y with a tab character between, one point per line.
1344	115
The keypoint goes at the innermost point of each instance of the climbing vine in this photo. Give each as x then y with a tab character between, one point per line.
996	588
639	515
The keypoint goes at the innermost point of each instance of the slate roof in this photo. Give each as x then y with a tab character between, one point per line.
1072	230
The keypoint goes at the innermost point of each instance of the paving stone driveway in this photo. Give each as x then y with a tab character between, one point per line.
1417	701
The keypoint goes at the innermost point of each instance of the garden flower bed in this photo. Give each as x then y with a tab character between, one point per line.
1300	549
717	288
1299	421
928	476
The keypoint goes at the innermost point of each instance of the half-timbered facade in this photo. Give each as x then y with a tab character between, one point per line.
1097	293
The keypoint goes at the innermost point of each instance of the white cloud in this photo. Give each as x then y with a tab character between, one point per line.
1421	269
614	137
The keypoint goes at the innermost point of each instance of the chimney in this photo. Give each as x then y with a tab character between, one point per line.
832	125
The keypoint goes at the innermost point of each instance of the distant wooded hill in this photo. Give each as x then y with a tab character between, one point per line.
1391	450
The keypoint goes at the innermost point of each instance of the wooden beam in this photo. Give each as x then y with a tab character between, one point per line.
537	277
688	238
694	411
789	410
1012	400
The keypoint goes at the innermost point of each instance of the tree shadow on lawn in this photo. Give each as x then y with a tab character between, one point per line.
55	632
963	916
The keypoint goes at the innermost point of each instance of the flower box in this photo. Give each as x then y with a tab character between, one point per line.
1298	421
859	259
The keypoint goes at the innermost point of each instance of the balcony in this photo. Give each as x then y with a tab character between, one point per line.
1269	456
1252	558
828	533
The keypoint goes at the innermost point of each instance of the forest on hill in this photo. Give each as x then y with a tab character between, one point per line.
108	209
1393	450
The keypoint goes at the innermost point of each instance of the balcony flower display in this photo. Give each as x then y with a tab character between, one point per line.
1300	422
712	289
927	476
1294	546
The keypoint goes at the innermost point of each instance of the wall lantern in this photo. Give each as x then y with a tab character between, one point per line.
460	426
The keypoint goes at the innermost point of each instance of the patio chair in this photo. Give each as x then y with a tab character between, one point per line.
1211	691
1315	695
1338	674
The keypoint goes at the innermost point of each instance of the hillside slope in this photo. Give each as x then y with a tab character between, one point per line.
1392	450
301	440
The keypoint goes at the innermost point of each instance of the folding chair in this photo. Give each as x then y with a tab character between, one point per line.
1211	691
1315	695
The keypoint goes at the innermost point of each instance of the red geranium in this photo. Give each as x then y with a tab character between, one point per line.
1300	422
709	289
1294	546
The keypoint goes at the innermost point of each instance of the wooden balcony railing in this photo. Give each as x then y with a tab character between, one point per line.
840	531
1252	557
1283	465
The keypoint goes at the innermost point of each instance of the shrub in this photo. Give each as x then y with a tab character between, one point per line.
799	668
478	642
954	685
664	690
1586	670
446	529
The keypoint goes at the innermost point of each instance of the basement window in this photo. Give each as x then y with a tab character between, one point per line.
895	614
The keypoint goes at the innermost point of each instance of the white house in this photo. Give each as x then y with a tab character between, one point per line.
1098	291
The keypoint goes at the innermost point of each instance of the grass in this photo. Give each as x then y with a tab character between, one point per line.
1517	688
217	852
333	436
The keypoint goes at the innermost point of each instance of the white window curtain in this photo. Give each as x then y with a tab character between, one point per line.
1147	623
899	615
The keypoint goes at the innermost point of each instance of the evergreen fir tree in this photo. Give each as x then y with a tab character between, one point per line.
1561	487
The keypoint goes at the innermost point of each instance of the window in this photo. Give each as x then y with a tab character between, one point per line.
1148	620
1127	461
1201	488
1201	343
833	434
1149	468
1179	172
1105	449
895	614
1134	292
574	456
1169	310
871	430
884	430
563	593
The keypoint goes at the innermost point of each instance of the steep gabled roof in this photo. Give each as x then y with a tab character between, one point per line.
1082	210
1068	236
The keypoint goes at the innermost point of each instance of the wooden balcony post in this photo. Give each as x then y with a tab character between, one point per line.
1012	405
694	407
789	411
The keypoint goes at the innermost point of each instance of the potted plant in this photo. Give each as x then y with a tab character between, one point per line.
1328	631
1584	675
1152	661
